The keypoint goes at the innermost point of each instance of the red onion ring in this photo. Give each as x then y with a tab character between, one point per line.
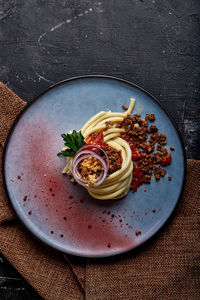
102	176
76	173
83	154
85	182
76	157
85	147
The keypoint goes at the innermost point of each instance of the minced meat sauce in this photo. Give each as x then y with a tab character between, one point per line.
144	141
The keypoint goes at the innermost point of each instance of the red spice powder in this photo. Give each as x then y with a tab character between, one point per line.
80	215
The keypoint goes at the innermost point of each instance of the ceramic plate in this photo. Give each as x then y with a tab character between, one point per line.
63	215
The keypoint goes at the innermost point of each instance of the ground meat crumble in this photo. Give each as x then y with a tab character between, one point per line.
115	159
144	141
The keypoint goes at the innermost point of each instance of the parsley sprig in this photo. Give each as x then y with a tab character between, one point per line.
74	141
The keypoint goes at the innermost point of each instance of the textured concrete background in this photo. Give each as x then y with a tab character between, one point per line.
154	44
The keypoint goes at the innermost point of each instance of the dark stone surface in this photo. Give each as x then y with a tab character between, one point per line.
154	44
12	285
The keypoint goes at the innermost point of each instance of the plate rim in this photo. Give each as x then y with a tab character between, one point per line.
93	76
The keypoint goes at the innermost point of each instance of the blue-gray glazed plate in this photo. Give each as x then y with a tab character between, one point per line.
63	215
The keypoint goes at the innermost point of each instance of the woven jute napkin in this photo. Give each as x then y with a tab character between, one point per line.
166	267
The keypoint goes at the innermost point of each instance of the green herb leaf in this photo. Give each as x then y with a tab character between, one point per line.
73	141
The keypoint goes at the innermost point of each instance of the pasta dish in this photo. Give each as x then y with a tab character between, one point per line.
106	156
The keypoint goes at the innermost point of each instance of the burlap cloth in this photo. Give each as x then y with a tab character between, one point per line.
166	267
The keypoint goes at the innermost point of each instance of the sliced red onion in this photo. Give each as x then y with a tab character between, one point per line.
75	172
81	155
78	155
100	179
78	160
85	147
